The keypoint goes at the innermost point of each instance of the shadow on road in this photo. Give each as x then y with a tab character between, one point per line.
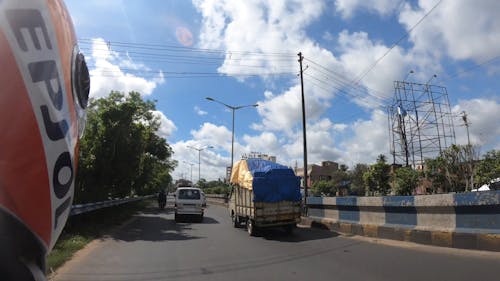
195	219
153	228
298	235
157	211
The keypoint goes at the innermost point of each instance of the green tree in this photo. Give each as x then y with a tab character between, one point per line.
406	180
435	172
488	168
356	177
120	153
377	179
323	188
369	183
340	179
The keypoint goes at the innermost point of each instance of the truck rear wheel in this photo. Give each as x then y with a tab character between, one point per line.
251	227
289	229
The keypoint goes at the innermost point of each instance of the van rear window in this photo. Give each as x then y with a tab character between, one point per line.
192	194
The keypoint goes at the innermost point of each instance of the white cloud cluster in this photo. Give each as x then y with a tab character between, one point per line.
109	73
383	7
199	111
483	117
459	29
213	135
212	164
453	30
369	139
167	126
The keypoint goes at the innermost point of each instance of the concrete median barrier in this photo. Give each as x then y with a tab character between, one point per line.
465	220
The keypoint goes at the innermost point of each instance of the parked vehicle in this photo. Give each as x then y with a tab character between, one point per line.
189	201
264	194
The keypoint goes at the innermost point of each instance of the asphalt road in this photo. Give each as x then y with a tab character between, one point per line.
154	247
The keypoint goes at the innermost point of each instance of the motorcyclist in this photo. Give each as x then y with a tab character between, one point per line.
162	199
44	88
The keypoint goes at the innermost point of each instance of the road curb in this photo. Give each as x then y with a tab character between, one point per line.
459	240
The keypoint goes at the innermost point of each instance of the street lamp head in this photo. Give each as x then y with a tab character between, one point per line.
255	105
209	98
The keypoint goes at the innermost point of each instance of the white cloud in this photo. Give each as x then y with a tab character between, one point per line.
266	143
370	138
198	111
213	135
328	36
482	114
167	126
339	127
213	163
460	29
359	53
383	7
257	26
281	27
109	73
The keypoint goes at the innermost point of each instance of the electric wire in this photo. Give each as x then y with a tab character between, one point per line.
372	66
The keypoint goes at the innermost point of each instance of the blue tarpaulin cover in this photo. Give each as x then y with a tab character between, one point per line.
273	182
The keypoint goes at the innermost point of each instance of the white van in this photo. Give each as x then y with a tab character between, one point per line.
189	201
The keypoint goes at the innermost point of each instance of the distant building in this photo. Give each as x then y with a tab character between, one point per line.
317	173
259	155
228	174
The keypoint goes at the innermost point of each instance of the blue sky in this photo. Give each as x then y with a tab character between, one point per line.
245	52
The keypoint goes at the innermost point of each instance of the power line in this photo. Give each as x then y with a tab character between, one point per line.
344	83
148	46
341	91
370	68
472	68
184	56
118	74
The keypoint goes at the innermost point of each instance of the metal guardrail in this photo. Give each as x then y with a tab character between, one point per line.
89	207
216	198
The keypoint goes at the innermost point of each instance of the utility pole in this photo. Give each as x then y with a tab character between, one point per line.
469	148
303	129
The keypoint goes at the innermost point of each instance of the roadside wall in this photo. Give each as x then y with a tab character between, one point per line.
465	220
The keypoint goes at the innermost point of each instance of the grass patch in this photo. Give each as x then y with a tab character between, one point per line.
83	228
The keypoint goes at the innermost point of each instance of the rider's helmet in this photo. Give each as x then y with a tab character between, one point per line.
44	87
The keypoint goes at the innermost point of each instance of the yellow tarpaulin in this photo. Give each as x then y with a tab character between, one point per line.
241	175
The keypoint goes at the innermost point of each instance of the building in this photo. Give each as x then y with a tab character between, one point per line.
228	174
259	155
317	173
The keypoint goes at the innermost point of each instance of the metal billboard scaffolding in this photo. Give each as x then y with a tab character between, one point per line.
420	123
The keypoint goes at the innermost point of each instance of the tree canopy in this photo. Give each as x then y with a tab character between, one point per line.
120	152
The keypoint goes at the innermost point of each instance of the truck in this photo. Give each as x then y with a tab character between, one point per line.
264	194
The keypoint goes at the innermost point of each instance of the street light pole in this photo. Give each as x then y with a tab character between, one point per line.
233	108
190	164
199	149
232	143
